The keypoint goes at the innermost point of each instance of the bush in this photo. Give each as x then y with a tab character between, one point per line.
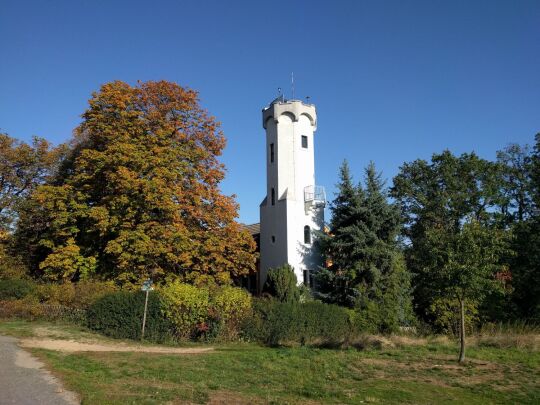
282	284
25	308
88	292
15	289
229	307
120	315
310	323
56	294
186	307
78	295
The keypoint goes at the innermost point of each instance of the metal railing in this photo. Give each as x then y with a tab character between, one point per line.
315	194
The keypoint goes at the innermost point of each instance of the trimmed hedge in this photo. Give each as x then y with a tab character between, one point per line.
311	323
120	315
14	289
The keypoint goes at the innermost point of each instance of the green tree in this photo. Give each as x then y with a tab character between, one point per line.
516	188
281	283
525	265
466	265
442	195
337	283
361	247
138	195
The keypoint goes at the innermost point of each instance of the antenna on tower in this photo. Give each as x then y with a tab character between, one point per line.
292	84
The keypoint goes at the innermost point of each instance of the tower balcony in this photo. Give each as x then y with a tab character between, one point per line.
315	195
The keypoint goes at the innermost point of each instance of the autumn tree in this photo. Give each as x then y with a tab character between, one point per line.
22	168
139	195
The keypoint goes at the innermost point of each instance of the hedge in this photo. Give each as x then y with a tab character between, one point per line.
120	315
15	289
311	323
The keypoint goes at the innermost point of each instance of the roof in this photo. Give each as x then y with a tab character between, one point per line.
253	229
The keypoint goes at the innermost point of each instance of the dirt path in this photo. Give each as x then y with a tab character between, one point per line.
71	346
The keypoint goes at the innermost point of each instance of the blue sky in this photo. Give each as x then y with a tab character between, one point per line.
392	80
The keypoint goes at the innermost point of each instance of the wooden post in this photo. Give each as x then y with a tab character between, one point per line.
462	331
144	316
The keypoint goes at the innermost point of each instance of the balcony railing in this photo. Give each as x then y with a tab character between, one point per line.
315	195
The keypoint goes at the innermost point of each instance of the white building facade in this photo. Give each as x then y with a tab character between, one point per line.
293	209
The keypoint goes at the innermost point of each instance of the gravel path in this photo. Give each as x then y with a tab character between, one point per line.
70	346
24	380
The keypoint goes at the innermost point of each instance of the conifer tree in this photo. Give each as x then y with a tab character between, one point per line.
366	268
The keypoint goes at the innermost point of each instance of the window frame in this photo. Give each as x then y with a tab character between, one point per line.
307	235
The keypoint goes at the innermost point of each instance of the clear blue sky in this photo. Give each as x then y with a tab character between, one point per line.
392	80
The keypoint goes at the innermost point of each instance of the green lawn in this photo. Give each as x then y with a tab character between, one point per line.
249	374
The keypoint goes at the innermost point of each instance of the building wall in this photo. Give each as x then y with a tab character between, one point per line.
292	170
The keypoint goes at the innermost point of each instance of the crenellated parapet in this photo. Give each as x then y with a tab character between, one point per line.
293	108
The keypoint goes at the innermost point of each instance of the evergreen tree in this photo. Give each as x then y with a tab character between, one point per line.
336	283
365	265
282	284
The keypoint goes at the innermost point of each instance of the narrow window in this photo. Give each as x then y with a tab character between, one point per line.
273	239
307	235
271	153
273	196
306	278
304	141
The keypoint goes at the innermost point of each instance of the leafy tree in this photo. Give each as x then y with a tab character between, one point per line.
138	195
515	164
22	168
466	265
442	195
281	283
366	267
525	265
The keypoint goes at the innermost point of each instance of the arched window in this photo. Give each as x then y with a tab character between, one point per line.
307	235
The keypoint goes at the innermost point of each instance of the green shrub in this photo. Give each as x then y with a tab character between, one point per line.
311	323
186	307
120	315
15	288
229	306
282	284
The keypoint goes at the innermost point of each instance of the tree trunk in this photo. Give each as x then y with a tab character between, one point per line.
462	331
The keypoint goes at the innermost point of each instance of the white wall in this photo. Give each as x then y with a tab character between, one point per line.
292	170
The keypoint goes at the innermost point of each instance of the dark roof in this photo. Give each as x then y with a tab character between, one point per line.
253	229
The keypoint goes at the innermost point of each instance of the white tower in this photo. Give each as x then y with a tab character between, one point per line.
294	206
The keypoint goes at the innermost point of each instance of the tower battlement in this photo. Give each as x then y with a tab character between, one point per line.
296	108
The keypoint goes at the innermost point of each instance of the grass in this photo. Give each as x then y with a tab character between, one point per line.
250	374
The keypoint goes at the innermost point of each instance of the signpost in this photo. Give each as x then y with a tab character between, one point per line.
146	287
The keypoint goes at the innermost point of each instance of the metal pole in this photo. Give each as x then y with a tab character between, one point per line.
144	316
